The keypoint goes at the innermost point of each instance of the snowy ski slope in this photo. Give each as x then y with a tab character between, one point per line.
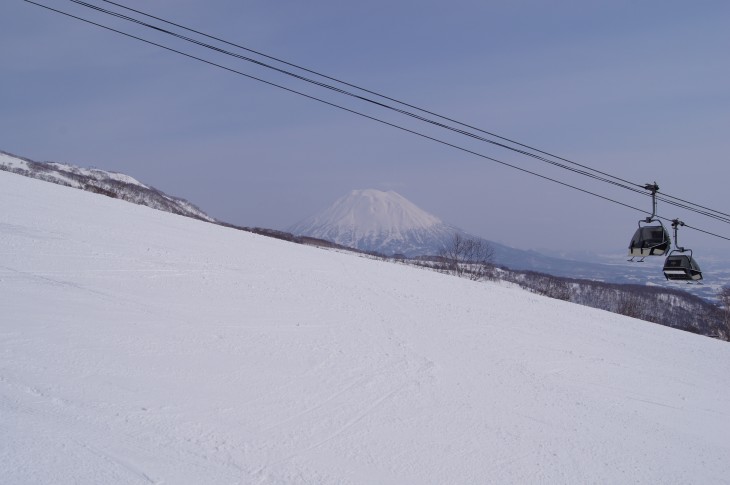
142	347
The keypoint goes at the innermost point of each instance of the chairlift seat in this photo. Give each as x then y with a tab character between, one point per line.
682	267
649	241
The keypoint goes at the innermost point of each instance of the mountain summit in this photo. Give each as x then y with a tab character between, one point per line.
374	220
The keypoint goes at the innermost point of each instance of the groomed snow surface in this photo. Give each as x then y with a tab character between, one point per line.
141	347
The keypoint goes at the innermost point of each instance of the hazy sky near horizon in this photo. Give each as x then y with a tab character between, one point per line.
636	89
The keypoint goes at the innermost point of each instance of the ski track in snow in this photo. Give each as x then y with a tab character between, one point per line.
141	347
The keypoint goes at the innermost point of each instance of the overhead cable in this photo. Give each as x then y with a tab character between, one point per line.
402	128
631	186
709	212
356	96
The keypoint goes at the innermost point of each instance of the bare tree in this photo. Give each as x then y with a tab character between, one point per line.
724	297
631	305
468	258
548	285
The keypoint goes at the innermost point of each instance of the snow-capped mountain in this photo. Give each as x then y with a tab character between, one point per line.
383	222
112	184
388	223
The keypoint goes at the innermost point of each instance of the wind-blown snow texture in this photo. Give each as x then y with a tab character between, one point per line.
138	346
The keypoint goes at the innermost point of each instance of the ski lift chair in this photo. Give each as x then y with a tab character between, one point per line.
682	266
649	241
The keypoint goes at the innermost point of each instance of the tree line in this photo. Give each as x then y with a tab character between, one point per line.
474	259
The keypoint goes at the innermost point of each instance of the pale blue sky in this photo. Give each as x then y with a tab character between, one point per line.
637	89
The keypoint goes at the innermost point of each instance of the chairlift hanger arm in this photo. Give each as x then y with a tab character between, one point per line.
676	223
653	188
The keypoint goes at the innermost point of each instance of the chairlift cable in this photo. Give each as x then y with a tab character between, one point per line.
437	140
402	128
711	214
370	92
703	231
356	96
417	108
688	205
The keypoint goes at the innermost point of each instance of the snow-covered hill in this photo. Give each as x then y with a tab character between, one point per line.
112	184
137	346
